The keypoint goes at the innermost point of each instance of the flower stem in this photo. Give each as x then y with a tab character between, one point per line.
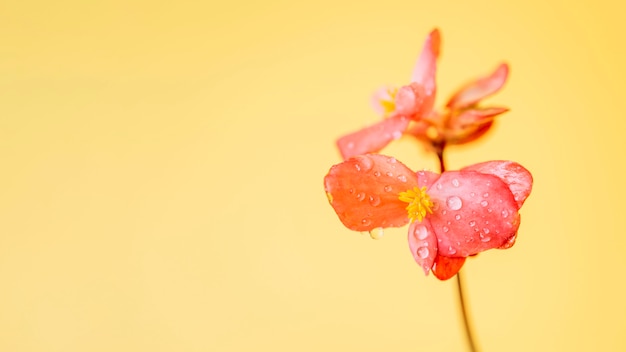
439	148
466	322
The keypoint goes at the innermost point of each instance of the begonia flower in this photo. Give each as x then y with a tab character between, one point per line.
452	215
409	109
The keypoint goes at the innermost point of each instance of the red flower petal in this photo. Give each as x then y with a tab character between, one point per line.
426	178
372	138
479	89
364	190
474	117
519	180
423	244
446	267
426	67
473	212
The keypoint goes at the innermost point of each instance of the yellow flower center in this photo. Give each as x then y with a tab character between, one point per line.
389	105
419	203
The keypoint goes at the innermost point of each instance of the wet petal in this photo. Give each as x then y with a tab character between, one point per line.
426	68
519	180
372	138
423	244
473	212
426	178
479	89
446	267
363	191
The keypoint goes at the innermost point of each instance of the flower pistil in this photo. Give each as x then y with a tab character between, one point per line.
419	203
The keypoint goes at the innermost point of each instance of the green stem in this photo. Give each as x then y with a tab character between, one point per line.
439	148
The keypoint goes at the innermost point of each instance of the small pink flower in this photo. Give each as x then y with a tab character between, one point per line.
453	215
409	109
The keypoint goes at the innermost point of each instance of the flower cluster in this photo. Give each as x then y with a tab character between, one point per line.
409	109
452	215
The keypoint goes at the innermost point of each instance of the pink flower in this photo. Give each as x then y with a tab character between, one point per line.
453	215
409	109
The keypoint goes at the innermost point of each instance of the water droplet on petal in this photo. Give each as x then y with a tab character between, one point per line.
472	194
505	213
402	178
377	173
392	160
472	223
454	203
486	194
374	200
457	216
444	212
451	250
489	210
360	196
484	238
484	203
388	188
421	232
446	229
486	230
377	233
423	252
363	163
439	186
455	182
366	222
351	190
389	173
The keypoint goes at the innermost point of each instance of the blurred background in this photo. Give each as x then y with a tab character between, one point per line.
162	166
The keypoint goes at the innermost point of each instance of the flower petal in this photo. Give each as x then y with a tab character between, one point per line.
473	212
423	244
426	68
446	267
426	178
479	89
474	117
364	190
519	180
372	138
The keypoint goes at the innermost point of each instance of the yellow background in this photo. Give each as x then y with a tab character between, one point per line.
162	165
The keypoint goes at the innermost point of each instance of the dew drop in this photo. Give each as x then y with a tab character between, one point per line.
457	216
505	213
446	229
439	186
366	222
351	190
455	182
363	163
421	232
486	195
392	160
374	200
472	194
377	233
388	188
423	252
377	173
360	196
451	250
454	203
389	173
484	203
472	223
489	210
402	178
485	238
444	212
486	230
